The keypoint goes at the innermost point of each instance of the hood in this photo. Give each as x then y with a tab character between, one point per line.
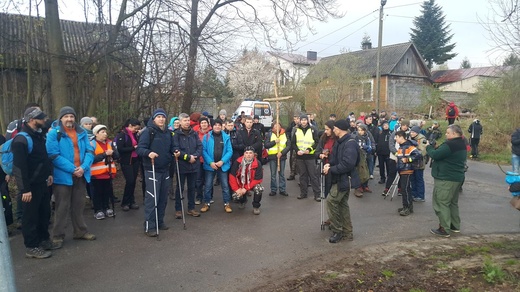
452	103
170	124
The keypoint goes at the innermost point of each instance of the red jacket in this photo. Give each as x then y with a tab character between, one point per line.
235	173
452	104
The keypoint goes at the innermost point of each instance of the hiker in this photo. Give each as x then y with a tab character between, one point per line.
277	146
417	178
475	129
407	155
452	113
515	149
245	177
69	149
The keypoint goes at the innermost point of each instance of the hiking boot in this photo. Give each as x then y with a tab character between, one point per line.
440	232
301	197
358	192
454	229
336	237
151	233
164	227
381	181
134	206
317	199
272	194
99	215
178	215
37	253
197	202
57	243
110	213
193	213
256	211
86	236
125	208
401	209
291	177
367	190
285	194
49	245
227	208
405	212
204	208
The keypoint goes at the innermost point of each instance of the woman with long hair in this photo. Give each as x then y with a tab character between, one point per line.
324	150
126	142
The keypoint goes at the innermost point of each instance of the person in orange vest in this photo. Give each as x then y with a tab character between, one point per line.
103	170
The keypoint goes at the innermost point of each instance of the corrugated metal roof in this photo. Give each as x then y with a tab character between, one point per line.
295	58
448	76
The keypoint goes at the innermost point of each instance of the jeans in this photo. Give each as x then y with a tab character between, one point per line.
515	161
417	179
370	163
192	179
200	183
391	168
273	165
209	177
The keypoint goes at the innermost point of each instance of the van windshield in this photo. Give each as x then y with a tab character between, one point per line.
262	109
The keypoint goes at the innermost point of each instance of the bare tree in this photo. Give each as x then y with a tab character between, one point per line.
503	24
251	76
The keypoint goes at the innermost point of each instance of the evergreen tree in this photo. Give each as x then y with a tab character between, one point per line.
465	64
431	35
511	60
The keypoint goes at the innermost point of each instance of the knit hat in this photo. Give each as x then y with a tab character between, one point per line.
157	112
360	122
205	113
393	114
405	122
304	116
66	110
342	125
98	128
416	129
362	126
33	113
222	112
85	120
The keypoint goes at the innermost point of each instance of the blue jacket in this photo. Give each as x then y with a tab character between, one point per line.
153	139
187	144
207	151
61	153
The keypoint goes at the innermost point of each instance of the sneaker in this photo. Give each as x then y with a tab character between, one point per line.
125	208
291	177
57	243
335	238
110	213
99	215
227	207
419	200
197	202
164	227
151	233
367	190
358	192
371	176
301	197
256	211
211	201
178	215
385	193
86	236
405	212
204	208
453	229
272	194
37	253
193	213
134	206
440	232
285	194
49	245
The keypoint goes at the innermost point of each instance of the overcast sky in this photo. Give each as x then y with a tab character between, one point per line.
464	16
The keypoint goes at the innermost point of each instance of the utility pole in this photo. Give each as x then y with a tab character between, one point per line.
7	282
378	69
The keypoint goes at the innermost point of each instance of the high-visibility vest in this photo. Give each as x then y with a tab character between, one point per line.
303	142
101	167
282	143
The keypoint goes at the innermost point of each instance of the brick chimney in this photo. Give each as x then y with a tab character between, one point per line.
312	56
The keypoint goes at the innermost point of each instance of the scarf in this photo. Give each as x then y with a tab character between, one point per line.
245	166
134	141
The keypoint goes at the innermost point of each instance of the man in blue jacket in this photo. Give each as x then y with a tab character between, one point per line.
156	146
69	149
217	152
188	149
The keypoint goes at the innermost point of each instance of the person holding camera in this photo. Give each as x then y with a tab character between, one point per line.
417	178
245	176
103	170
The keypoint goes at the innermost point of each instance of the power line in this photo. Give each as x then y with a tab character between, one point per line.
348	35
448	20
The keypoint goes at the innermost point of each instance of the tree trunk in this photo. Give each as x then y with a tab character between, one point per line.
192	59
57	54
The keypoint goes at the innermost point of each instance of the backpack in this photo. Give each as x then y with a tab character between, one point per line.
6	156
451	111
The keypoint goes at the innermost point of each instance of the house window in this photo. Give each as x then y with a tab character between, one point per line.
362	92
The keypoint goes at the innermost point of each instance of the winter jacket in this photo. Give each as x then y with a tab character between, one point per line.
392	124
314	145
343	160
30	168
449	160
323	144
515	142
236	143
383	146
188	144
101	157
475	129
208	143
269	144
364	142
373	131
61	153
455	110
412	156
421	146
124	147
154	139
235	175
251	138
392	144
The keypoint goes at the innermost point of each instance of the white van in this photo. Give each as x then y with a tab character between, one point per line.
252	108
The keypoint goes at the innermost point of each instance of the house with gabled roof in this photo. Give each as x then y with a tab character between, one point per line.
292	68
404	79
461	85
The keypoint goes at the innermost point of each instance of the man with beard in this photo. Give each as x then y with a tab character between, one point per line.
32	171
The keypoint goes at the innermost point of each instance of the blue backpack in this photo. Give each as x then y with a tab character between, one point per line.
6	156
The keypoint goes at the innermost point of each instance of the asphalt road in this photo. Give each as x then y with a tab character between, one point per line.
234	252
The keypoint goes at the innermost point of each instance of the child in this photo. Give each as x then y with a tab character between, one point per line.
407	156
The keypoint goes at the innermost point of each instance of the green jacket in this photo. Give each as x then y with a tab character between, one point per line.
449	160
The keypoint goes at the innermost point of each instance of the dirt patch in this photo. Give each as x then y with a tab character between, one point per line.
460	263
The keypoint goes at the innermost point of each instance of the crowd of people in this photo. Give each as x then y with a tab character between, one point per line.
196	152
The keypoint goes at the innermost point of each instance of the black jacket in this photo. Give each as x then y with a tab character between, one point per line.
515	142
343	160
188	144
236	144
153	139
30	168
383	148
124	146
251	138
475	129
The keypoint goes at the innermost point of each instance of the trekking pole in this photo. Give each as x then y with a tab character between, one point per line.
181	197
155	199
109	160
322	195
